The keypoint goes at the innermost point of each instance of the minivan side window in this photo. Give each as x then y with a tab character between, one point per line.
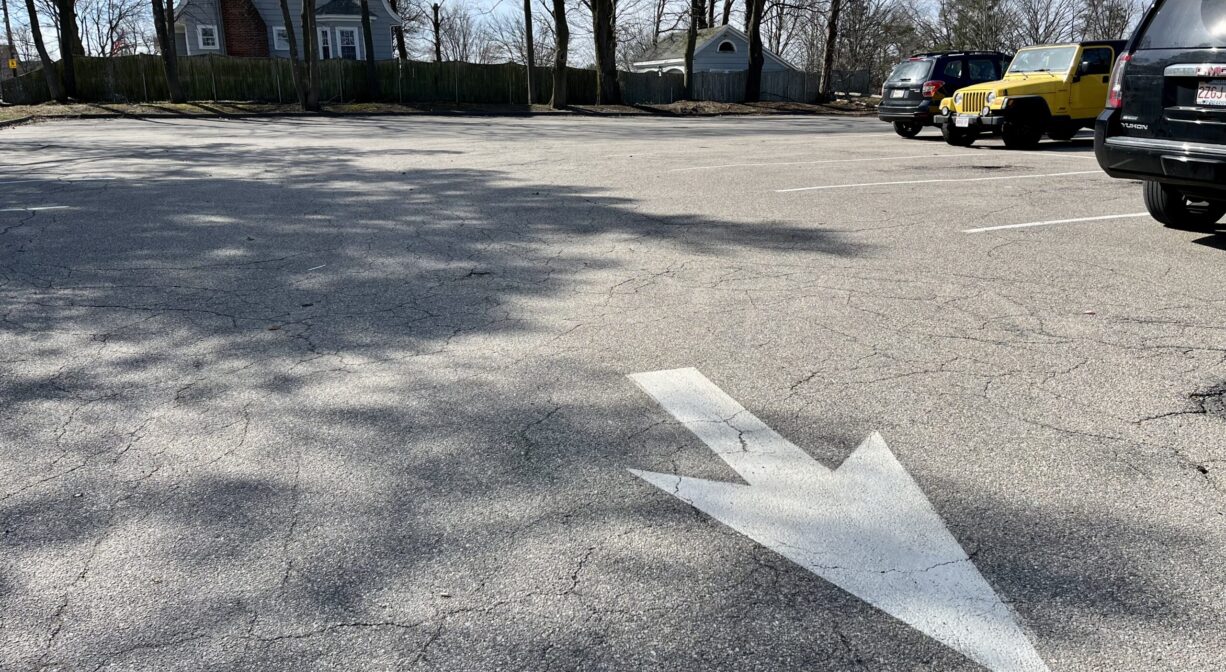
1096	61
983	69
1186	24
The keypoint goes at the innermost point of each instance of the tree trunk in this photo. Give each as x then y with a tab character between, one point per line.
832	38
68	44
604	31
296	67
401	49
438	42
368	43
531	56
8	33
727	12
49	73
561	33
166	39
310	53
753	77
691	40
710	14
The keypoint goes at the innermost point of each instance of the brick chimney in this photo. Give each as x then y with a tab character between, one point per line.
245	31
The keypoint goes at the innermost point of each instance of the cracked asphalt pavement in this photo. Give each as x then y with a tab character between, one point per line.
319	394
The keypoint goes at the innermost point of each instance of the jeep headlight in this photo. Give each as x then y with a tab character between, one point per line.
991	97
958	98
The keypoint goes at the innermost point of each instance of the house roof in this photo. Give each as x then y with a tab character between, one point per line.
339	8
672	46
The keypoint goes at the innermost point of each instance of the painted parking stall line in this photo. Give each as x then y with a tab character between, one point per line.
941	180
866	526
38	208
814	163
1051	222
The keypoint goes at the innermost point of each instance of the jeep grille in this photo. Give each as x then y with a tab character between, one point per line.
973	101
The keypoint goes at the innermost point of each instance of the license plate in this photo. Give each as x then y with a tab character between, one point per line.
1212	92
897	93
962	122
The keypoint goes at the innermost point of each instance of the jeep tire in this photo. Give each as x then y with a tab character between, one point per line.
1169	206
956	136
908	129
1020	136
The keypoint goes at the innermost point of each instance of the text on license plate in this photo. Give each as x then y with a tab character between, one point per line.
1212	92
962	122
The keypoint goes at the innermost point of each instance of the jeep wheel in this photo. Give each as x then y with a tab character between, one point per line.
1017	136
957	137
908	129
1169	206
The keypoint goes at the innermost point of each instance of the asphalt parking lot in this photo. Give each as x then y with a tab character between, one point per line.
314	394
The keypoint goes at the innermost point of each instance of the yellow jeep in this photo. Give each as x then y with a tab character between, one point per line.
1055	89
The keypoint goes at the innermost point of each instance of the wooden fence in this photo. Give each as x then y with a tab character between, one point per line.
139	78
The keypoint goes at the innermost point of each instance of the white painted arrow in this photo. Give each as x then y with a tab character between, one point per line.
866	527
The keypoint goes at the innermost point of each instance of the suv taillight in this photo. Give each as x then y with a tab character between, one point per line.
930	88
1115	88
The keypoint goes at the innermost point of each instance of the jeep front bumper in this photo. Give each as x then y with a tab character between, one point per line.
971	122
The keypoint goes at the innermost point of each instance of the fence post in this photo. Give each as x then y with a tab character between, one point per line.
276	72
212	77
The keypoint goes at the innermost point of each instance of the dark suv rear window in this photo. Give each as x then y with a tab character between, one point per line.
1187	24
911	71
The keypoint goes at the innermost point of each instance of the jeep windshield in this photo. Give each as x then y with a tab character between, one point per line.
1042	59
911	71
1187	24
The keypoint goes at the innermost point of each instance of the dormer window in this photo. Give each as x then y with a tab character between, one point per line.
727	46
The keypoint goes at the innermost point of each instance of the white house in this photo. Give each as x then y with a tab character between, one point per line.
720	49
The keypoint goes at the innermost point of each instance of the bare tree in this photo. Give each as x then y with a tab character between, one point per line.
53	81
561	34
529	56
832	41
1044	21
691	39
753	77
296	66
310	53
437	24
164	24
70	42
1107	19
608	91
8	32
372	71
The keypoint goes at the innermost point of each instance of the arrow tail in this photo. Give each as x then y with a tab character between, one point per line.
740	439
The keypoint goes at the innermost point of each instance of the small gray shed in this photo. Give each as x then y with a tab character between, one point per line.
720	49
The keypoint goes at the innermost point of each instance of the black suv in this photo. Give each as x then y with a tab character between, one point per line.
913	92
1165	121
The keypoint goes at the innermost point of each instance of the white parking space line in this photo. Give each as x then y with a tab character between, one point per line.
952	179
1056	221
812	163
37	208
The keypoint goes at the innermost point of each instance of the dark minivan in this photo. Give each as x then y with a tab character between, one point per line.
1165	121
913	92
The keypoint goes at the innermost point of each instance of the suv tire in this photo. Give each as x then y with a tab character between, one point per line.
956	137
908	129
1020	136
1169	206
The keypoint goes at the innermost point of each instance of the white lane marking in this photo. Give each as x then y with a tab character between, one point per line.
933	181
810	163
37	208
1056	221
50	179
865	527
